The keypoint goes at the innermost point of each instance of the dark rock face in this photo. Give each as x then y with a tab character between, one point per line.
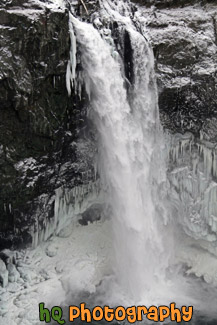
185	48
39	123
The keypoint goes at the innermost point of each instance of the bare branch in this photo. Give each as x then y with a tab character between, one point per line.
84	7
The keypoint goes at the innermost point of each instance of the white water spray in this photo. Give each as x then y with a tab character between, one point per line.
129	164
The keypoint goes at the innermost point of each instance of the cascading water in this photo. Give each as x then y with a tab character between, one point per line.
129	164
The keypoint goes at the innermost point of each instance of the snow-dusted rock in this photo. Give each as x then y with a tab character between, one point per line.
3	274
38	120
183	35
27	273
2	266
65	232
51	250
13	274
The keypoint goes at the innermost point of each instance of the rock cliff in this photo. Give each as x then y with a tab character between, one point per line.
39	124
183	35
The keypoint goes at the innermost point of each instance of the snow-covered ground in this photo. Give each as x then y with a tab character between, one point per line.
74	261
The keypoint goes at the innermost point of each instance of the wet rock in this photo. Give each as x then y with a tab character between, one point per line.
94	213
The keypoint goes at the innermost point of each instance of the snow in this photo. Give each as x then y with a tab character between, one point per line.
81	261
29	165
55	5
33	14
77	263
3	274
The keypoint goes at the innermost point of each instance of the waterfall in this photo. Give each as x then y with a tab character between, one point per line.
130	163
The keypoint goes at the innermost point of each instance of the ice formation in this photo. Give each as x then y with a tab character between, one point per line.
71	67
69	204
193	193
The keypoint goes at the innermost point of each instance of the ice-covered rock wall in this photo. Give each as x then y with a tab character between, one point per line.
69	206
193	187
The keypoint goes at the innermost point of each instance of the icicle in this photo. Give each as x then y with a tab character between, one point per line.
73	50
68	78
71	66
214	164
